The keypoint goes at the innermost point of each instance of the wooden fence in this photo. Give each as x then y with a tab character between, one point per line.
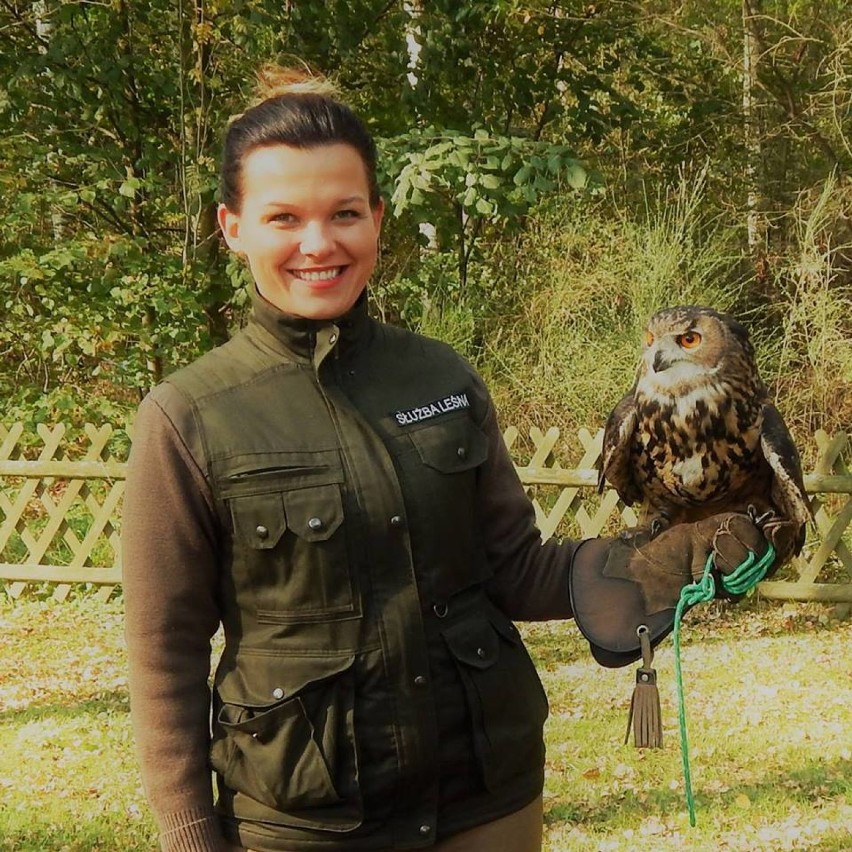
60	507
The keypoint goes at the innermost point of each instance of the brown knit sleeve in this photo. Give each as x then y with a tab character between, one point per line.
170	569
530	576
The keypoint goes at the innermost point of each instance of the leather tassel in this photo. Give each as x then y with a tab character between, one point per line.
645	704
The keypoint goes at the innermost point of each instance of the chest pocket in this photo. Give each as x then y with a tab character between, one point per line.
443	503
290	542
452	446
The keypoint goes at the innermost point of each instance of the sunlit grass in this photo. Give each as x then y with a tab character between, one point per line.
67	775
769	713
769	706
560	332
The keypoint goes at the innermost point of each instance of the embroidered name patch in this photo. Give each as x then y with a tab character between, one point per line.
453	402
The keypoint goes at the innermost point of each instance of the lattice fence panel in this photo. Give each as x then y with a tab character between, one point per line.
61	492
824	569
60	507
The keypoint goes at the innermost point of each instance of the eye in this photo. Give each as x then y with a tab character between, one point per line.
284	218
347	214
690	340
649	338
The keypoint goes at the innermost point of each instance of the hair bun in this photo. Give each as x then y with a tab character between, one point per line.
275	80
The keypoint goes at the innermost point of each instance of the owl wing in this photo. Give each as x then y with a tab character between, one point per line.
615	466
788	486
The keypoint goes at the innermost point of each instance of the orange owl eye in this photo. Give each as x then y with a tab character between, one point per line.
689	340
649	338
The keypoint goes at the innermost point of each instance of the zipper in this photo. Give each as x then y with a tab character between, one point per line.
263	471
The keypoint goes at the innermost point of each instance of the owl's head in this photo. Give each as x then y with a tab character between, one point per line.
687	347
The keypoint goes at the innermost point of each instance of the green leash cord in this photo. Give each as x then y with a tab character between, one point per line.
744	577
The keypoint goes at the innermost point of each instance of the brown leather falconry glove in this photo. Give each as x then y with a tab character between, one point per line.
662	566
621	583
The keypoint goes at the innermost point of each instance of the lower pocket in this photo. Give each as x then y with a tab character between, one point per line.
297	755
505	698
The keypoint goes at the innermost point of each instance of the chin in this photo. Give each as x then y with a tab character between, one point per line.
321	309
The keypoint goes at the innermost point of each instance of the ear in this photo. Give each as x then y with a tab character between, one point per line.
229	222
378	213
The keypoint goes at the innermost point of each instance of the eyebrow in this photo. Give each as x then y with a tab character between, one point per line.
339	203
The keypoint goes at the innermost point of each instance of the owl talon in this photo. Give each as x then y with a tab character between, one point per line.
757	519
659	524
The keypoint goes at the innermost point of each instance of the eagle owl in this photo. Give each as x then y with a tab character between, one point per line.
698	435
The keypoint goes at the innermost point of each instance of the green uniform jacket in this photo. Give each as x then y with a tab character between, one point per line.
364	540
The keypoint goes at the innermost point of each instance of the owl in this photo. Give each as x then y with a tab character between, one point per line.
698	435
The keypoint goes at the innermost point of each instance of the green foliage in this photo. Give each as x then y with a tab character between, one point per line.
499	177
468	191
811	363
569	343
500	124
100	245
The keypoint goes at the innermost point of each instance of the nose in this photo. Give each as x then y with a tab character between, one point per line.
316	240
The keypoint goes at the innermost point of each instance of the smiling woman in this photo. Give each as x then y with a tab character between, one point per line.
336	494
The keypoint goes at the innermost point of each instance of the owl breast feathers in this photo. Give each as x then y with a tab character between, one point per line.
697	434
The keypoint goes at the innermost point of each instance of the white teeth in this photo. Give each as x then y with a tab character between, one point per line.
324	275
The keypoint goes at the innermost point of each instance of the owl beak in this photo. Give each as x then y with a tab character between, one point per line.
661	362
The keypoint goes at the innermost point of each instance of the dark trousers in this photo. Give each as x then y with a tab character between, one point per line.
517	832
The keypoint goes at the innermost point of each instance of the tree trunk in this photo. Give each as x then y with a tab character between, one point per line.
202	257
755	214
153	359
414	9
44	31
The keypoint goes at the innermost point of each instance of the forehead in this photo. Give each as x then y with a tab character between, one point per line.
672	319
280	173
681	319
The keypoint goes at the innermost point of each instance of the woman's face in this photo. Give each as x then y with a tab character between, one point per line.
306	227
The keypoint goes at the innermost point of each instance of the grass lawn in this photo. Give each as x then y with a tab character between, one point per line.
769	706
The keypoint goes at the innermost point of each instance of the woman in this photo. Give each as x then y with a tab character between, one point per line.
336	493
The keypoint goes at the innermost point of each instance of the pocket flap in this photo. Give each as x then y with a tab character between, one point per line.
451	446
505	627
260	680
474	643
314	513
259	519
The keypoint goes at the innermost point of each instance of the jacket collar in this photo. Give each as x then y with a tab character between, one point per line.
297	336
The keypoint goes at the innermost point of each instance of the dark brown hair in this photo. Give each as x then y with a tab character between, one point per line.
297	109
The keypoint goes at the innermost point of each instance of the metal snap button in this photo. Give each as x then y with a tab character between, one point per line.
277	692
262	531
481	653
396	521
420	680
440	610
315	523
425	829
332	339
461	452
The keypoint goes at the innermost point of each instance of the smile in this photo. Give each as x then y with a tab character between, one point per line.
320	275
